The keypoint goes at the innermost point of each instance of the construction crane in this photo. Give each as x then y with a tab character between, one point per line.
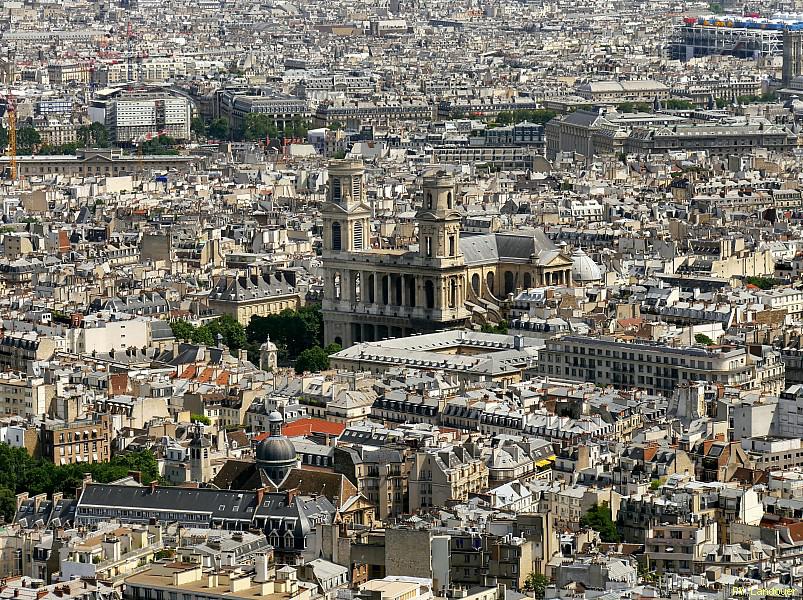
11	113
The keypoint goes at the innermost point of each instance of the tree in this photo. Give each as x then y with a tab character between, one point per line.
232	331
197	418
182	330
332	349
19	472
599	519
675	104
259	126
93	135
500	328
536	583
293	331
505	117
8	504
59	150
198	127
703	339
312	360
763	283
336	125
218	129
162	144
27	140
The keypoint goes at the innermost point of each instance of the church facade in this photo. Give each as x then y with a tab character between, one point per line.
450	280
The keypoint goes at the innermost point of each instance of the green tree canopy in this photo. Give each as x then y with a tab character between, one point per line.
599	519
27	140
500	328
163	144
312	360
19	472
232	331
259	126
536	583
293	331
218	129
94	135
198	127
703	339
198	418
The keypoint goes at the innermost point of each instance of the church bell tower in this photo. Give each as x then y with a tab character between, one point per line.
346	216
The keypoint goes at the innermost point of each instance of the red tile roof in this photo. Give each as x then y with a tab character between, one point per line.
312	425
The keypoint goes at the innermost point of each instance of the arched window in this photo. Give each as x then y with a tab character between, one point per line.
475	283
489	282
358	236
337	243
528	280
429	292
449	201
370	290
338	286
510	282
339	341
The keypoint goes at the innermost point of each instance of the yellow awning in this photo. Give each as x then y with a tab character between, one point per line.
542	463
553	457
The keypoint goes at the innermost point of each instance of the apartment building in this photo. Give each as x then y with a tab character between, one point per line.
19	350
616	92
193	581
354	114
657	367
243	296
440	475
134	116
24	396
676	548
109	554
78	441
235	105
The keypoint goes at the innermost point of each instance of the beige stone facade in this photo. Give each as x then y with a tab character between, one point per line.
448	282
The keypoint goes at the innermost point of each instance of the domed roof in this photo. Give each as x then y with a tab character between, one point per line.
584	269
275	450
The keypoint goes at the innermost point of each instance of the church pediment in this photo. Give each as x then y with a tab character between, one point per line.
430	215
333	207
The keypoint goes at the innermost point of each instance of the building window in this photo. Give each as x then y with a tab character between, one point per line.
358	236
337	243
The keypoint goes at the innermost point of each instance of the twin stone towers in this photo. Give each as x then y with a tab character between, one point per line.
446	282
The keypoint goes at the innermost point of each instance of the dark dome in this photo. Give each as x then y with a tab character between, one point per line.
275	450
